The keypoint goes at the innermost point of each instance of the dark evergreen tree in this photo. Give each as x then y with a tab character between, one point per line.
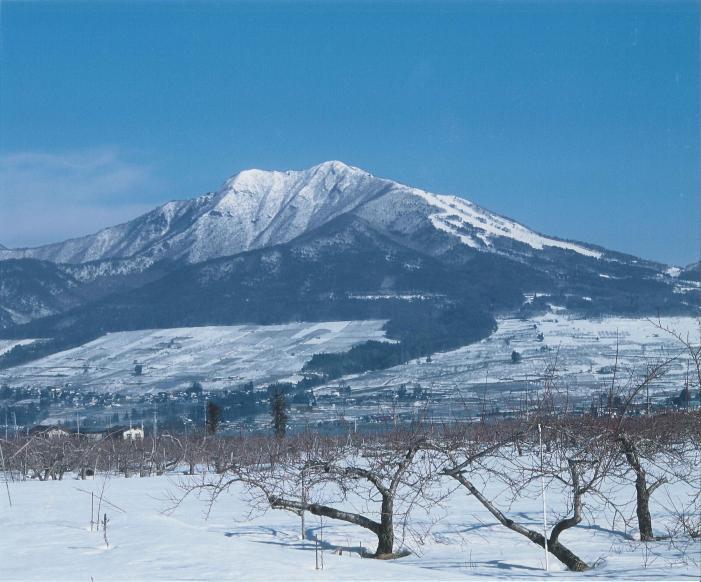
214	415
278	410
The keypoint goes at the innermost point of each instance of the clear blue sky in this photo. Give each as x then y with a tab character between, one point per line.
579	120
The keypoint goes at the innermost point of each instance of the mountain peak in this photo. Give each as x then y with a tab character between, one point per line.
338	167
329	188
255	178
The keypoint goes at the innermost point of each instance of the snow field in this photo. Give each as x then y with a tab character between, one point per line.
578	348
46	536
219	356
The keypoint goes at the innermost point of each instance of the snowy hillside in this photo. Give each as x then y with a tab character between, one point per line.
7	345
221	357
584	350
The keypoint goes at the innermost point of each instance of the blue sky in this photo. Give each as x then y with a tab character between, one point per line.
579	120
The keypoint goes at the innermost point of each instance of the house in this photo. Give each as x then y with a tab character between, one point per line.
133	434
51	432
94	434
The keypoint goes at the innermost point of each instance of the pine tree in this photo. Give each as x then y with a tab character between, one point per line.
213	417
278	410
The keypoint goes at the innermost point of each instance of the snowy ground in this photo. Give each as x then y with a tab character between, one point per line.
580	349
220	357
46	536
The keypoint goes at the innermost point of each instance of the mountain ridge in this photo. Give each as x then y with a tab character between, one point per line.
256	208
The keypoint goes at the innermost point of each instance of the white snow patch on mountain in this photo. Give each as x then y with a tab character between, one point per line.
7	345
456	213
583	347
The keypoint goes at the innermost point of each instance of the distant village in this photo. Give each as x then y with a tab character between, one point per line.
54	411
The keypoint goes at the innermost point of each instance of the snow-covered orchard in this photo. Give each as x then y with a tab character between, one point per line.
458	501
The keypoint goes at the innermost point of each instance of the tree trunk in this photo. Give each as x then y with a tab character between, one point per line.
385	533
642	491
642	507
566	556
385	545
384	530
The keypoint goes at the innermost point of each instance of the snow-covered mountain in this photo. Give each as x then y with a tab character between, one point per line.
329	243
256	209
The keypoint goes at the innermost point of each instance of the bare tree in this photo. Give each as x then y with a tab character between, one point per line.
308	473
644	441
384	473
489	454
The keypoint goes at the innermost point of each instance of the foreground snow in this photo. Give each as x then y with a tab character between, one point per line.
46	536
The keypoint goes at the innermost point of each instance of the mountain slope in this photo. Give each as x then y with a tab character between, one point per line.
347	269
344	269
692	272
31	289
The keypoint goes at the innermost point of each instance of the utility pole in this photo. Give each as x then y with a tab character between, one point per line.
647	398
542	487
527	387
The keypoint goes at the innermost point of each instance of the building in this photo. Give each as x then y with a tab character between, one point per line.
51	432
133	434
